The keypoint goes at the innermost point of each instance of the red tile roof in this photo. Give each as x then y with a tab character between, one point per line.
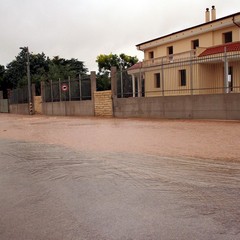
230	47
136	66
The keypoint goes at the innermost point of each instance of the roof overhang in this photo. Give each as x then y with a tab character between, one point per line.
224	22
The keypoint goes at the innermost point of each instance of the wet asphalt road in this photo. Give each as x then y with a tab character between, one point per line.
52	192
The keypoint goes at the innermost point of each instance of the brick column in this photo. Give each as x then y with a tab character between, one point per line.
103	103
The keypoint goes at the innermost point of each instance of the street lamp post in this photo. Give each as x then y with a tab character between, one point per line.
30	105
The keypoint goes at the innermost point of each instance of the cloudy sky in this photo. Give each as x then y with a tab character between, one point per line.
83	29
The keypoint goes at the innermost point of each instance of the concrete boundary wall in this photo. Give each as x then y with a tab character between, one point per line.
218	106
19	108
69	108
4	106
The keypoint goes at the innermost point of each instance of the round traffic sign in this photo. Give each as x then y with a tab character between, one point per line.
64	87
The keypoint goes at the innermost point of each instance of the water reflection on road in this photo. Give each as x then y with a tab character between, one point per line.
55	192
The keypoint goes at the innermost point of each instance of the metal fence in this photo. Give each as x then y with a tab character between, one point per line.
18	96
67	90
4	108
219	73
124	84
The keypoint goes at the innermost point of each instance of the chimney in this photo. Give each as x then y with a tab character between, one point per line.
207	15
213	13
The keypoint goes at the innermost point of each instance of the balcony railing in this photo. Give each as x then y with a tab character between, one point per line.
173	58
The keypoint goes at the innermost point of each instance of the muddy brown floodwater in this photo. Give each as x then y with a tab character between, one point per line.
65	178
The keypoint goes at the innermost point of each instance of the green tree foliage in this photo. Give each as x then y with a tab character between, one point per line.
2	71
105	62
103	82
60	68
123	61
15	70
42	68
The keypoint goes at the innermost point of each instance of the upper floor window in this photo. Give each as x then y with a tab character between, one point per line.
170	50
227	37
157	80
183	77
151	55
170	53
195	44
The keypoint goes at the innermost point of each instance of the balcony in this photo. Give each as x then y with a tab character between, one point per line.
173	58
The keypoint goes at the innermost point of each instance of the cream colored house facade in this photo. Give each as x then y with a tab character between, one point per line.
198	60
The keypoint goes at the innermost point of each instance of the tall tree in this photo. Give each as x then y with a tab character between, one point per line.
2	71
16	70
122	61
105	62
63	68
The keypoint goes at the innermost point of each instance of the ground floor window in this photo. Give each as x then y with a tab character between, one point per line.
157	80
183	77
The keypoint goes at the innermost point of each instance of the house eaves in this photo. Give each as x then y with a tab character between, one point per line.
214	25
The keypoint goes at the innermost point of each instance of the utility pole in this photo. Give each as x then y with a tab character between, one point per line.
30	105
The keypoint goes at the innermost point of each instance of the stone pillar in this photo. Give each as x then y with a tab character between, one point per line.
93	83
114	81
103	103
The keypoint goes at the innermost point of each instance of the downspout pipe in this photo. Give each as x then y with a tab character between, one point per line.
235	22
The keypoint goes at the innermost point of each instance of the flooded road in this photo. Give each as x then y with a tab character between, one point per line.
86	178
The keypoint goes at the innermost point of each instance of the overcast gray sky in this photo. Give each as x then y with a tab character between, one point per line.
83	29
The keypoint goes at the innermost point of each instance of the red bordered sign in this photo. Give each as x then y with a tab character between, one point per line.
64	87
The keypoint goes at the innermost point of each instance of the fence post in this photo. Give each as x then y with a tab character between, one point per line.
51	89
69	88
32	103
60	90
114	81
140	85
121	81
225	71
43	95
80	87
43	91
191	74
133	85
162	69
93	84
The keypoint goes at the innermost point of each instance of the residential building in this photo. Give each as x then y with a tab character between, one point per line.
202	59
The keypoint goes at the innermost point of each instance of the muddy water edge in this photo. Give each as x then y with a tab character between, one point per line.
74	178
